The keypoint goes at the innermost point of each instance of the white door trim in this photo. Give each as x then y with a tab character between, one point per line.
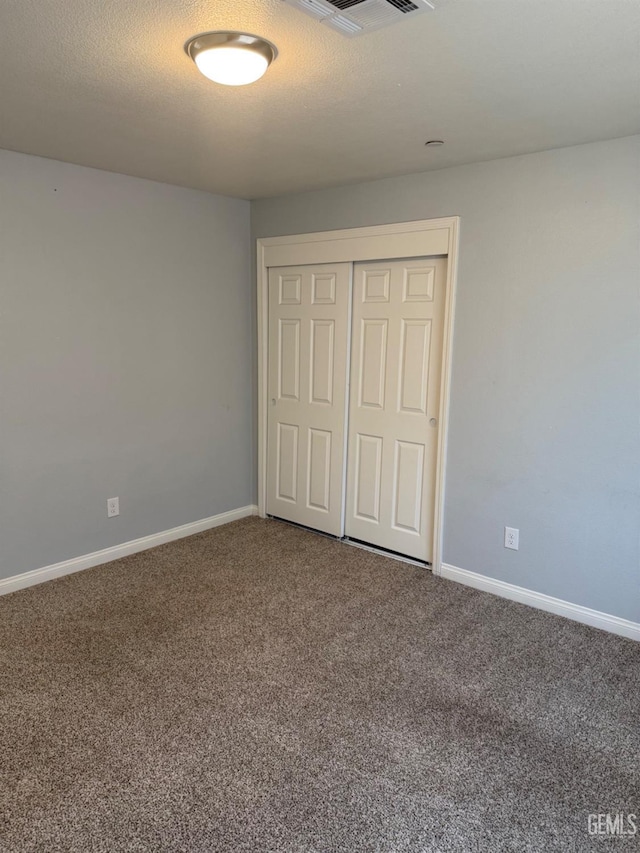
421	238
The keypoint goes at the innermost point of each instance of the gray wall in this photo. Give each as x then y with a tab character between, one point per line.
545	404
125	358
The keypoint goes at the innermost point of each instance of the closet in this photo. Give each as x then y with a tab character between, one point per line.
353	399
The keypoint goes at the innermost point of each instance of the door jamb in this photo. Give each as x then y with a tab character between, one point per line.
421	238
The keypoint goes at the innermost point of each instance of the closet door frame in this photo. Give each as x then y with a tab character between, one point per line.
416	239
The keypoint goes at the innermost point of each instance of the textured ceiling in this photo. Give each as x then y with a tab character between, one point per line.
107	84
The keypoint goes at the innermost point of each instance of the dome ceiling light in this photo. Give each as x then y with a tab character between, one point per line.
233	59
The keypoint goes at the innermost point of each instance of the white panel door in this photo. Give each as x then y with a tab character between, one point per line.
398	320
308	364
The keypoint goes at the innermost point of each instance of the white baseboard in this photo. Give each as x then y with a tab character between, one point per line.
97	558
613	624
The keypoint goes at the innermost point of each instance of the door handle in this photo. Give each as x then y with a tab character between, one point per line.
273	401
433	422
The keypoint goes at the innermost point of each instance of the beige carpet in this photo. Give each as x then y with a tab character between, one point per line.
260	688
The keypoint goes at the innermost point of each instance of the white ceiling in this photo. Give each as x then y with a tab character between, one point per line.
107	84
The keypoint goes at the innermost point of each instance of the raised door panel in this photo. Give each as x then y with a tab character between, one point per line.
415	339
323	288
367	477
290	289
375	285
287	462
289	359
372	363
418	284
322	361
407	486
319	470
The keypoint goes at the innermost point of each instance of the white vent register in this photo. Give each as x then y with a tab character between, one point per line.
354	17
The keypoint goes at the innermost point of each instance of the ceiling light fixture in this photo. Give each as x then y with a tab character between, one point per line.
434	143
233	59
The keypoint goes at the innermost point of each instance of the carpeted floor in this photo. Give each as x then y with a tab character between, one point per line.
261	688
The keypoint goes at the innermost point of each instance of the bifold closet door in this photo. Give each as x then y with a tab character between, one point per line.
308	362
398	317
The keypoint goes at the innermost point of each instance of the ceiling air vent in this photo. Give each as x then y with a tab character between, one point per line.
354	17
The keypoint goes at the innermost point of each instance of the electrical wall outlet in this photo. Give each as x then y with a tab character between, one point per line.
512	538
113	507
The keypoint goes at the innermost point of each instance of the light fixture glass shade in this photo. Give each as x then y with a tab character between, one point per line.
232	66
233	59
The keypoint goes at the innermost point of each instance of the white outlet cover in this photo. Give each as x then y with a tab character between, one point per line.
512	538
